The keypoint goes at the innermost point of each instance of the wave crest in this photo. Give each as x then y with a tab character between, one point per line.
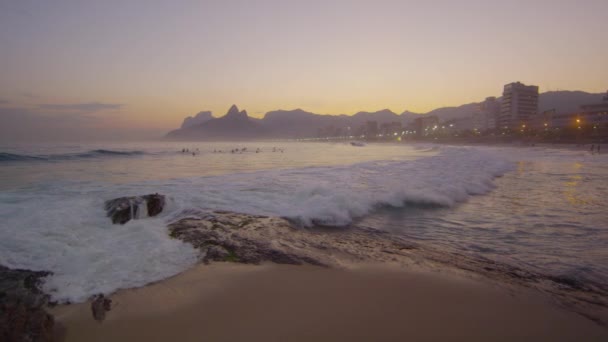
14	157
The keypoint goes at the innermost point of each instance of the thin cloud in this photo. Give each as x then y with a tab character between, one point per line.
3	101
90	107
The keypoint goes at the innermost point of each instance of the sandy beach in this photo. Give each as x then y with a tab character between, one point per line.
232	302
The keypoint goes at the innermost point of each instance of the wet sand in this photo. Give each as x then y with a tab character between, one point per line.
232	302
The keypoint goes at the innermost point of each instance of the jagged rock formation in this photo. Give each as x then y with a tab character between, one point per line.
122	210
22	314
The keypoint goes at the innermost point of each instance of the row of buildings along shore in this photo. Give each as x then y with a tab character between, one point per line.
518	109
517	113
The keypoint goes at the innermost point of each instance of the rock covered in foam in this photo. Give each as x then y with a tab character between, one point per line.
22	313
123	209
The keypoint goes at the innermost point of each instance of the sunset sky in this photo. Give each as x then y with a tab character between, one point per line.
148	64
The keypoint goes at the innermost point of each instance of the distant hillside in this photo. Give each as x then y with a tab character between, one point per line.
298	123
281	124
199	118
450	113
380	116
561	101
566	101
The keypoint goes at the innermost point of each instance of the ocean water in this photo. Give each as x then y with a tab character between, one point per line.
540	208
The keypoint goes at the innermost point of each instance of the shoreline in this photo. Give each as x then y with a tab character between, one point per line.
226	302
325	272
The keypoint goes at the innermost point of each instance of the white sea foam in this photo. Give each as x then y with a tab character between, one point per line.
338	195
69	234
63	228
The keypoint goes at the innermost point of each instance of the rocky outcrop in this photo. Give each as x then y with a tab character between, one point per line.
22	314
252	239
122	210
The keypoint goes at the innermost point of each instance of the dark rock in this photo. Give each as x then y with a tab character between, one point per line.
236	237
22	314
123	209
155	204
99	306
218	253
568	282
23	285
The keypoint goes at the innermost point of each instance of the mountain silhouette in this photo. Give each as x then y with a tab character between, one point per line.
235	125
566	101
298	123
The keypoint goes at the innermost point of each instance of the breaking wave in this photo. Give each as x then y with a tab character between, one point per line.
336	196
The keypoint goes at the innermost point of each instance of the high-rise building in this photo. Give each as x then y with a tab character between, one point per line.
519	105
486	114
425	124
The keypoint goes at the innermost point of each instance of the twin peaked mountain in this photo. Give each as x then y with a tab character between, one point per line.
283	124
297	123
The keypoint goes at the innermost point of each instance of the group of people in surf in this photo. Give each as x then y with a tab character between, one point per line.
196	151
188	151
244	149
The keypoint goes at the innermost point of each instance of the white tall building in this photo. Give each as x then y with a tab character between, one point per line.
486	114
519	105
